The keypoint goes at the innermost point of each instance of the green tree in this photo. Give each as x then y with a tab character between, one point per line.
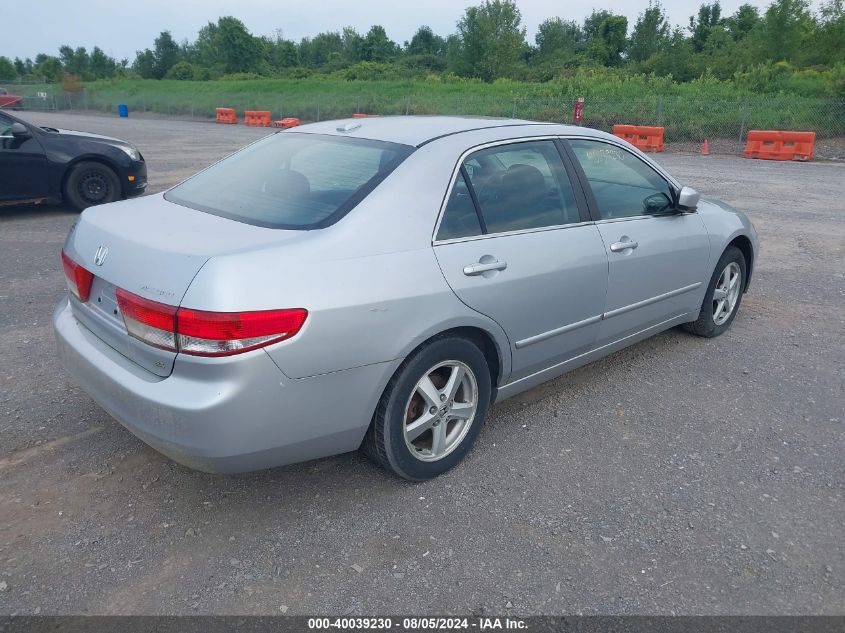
376	46
453	48
205	51
183	71
675	60
22	67
593	21
709	15
830	40
322	48
651	32
166	53
144	64
609	40
101	65
721	54
7	69
558	40
741	23
353	44
74	61
784	28
492	39
236	48
282	53
425	42
48	67
425	50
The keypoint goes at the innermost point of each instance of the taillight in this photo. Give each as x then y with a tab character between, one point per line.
79	280
224	333
201	333
148	321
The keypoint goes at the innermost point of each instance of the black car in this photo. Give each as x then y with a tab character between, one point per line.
45	164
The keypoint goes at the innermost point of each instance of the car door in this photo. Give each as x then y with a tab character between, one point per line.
23	165
657	256
515	244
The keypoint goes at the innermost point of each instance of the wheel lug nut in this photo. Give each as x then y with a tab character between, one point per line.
432	410
442	397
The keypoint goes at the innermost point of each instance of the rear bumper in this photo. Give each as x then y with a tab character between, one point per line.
224	415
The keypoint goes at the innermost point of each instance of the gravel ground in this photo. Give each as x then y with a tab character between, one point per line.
679	476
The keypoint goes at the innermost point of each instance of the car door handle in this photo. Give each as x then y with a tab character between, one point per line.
477	269
618	247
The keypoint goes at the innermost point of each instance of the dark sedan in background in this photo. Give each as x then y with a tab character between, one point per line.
44	164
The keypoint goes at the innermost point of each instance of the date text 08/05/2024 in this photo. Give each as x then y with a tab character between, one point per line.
417	623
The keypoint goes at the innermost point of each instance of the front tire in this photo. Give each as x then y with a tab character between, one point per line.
723	296
432	410
90	184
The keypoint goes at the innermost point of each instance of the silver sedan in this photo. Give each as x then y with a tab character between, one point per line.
381	283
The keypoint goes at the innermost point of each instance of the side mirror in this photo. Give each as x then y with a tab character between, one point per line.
19	130
688	199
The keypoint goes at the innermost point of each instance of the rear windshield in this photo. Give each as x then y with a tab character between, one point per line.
291	180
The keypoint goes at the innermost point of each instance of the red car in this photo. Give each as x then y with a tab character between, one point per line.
9	100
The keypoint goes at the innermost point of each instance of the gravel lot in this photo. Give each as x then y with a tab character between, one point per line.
679	476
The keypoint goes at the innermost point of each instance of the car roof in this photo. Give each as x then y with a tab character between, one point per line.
419	130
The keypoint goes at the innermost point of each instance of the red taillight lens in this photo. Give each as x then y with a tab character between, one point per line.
203	333
148	321
223	333
79	280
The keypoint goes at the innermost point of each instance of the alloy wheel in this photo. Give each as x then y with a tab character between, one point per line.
726	293
440	410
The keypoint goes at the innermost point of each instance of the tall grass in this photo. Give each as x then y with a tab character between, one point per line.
705	108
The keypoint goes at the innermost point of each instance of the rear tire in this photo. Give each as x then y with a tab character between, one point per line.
432	410
723	296
89	184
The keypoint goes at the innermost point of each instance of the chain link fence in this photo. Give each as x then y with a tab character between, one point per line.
687	122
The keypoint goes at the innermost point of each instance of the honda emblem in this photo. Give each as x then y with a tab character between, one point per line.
100	255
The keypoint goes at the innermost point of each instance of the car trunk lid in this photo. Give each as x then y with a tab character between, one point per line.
152	248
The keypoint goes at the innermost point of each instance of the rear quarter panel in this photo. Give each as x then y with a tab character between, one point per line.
371	282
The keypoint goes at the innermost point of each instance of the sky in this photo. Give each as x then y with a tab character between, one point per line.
122	27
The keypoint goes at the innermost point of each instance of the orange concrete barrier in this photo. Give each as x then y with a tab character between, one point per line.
645	138
287	122
226	115
257	118
780	145
361	115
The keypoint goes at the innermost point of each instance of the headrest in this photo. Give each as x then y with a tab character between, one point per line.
523	179
290	183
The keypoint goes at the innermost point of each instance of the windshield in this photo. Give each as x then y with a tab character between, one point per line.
291	180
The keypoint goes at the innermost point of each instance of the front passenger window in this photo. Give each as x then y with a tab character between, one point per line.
622	184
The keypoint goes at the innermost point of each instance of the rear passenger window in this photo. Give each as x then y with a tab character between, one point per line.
460	218
522	186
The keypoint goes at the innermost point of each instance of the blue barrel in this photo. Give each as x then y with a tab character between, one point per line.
122	110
